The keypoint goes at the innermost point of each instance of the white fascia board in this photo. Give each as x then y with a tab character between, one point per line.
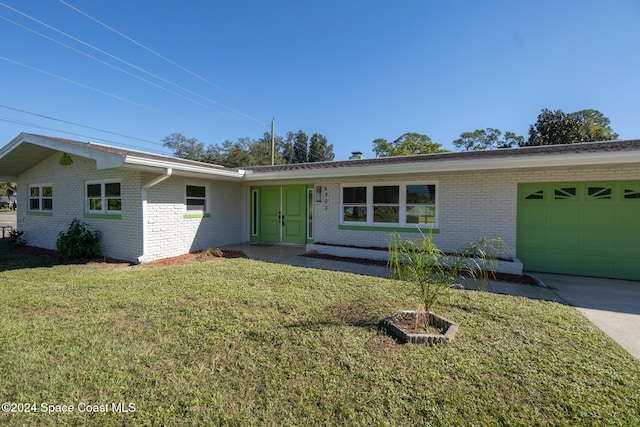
519	162
154	164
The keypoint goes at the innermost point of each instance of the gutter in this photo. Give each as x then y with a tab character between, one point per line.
182	168
143	194
542	161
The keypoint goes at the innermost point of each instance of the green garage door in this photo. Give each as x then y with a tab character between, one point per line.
584	228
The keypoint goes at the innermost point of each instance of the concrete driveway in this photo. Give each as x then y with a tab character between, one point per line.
612	305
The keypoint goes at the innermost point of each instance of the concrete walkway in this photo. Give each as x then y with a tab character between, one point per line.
612	305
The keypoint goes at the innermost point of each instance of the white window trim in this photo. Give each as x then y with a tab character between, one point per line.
40	197
206	198
402	202
103	197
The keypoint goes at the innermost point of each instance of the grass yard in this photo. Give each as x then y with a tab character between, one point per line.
243	342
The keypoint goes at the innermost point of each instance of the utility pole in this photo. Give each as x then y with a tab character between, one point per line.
273	144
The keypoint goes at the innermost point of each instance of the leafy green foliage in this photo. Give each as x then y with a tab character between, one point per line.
246	151
485	139
406	145
319	150
596	126
300	153
482	257
186	148
557	127
78	241
16	237
421	263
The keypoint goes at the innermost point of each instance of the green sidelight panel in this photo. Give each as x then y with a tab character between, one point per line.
583	228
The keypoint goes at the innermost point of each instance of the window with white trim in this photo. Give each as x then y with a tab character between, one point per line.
196	198
405	204
103	197
354	204
41	198
421	204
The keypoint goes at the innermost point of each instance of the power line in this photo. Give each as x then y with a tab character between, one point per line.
78	124
92	138
152	51
109	65
122	61
78	83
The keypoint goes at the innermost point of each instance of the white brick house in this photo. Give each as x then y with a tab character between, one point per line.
566	208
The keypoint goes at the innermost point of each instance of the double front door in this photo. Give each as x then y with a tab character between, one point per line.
279	213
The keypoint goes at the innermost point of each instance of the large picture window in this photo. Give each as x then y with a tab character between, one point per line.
41	198
407	204
104	197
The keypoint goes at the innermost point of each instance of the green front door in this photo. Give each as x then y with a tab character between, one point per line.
281	214
269	214
585	228
294	212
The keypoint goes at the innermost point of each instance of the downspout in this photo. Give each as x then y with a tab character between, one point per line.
157	180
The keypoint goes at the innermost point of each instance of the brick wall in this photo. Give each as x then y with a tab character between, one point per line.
121	239
171	234
470	204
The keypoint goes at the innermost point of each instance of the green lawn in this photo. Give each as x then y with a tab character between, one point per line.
242	342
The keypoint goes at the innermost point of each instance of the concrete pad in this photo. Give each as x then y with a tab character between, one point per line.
613	305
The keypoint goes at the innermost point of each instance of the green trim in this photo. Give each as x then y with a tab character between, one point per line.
102	216
39	213
197	215
388	229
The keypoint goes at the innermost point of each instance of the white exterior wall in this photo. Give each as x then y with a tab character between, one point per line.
470	204
171	234
121	239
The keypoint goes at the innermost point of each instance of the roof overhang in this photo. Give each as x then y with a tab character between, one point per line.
192	170
27	150
455	165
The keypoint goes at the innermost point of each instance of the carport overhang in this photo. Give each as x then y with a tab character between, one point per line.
27	150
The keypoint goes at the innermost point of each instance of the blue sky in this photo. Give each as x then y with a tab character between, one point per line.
351	70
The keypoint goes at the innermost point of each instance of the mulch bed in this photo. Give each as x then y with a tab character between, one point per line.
205	255
52	257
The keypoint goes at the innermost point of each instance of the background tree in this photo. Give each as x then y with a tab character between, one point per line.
246	151
319	151
261	150
300	154
235	154
485	139
406	145
556	127
8	189
186	148
597	127
288	152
